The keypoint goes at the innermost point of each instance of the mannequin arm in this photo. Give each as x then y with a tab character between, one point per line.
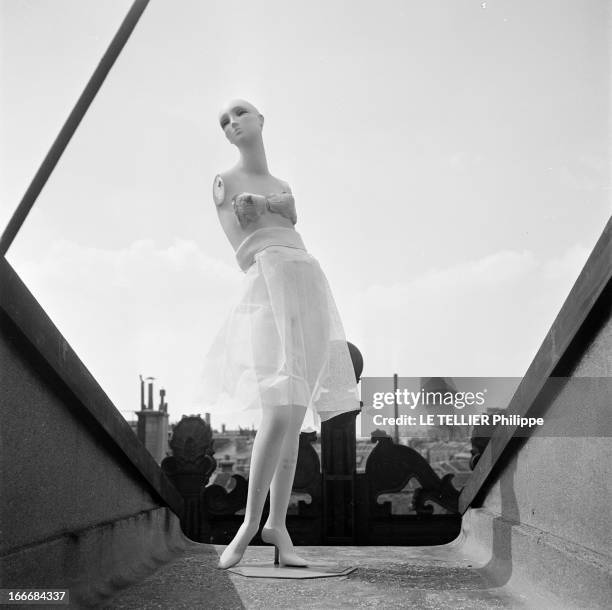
248	207
283	204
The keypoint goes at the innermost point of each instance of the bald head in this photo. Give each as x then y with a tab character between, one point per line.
236	106
238	103
241	122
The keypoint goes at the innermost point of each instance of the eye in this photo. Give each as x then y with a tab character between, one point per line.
224	122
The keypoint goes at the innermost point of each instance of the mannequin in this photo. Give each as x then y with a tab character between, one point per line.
257	213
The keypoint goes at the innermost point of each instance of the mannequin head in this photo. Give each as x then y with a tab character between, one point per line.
241	122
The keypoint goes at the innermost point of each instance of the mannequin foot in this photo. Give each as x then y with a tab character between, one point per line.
235	549
279	537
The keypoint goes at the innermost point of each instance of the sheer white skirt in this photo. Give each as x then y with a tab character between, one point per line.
283	342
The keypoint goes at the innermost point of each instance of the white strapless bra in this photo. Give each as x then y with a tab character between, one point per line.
248	209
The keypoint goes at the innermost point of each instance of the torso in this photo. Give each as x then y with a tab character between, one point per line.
235	183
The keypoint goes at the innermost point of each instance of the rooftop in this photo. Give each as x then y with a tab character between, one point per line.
386	577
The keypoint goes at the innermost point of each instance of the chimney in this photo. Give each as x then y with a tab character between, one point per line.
150	405
152	428
142	402
163	406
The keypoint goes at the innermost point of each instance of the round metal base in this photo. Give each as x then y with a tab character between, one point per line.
269	570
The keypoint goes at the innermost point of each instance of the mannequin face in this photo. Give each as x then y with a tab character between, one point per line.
241	122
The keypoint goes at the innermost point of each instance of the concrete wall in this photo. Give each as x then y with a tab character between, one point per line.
545	519
83	503
562	484
58	474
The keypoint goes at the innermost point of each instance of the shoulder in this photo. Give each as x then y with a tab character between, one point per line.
286	187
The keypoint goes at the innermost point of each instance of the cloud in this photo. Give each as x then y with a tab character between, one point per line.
493	270
569	264
141	309
584	172
482	317
153	310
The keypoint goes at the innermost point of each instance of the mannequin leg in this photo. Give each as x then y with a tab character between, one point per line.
282	481
275	529
276	424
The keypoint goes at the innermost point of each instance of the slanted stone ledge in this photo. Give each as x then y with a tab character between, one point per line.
532	561
99	560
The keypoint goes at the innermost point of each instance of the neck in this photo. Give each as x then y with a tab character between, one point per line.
253	158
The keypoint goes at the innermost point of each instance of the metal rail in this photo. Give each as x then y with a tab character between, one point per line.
592	285
70	126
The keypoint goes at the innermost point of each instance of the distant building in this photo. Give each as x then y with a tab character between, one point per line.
233	453
151	427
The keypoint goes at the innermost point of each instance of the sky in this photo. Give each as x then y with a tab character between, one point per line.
450	162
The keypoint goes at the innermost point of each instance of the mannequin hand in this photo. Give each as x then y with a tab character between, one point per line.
283	204
248	207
